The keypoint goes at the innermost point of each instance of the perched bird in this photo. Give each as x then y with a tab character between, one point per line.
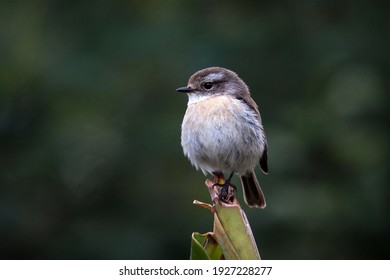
222	132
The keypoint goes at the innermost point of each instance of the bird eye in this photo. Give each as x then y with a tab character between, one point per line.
208	85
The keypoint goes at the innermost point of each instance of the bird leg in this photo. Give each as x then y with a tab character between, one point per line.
227	189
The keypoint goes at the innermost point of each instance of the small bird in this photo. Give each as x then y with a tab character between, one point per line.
222	131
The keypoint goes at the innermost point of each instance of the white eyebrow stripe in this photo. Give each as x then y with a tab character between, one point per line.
214	76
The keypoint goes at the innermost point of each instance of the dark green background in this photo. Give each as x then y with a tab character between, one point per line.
91	165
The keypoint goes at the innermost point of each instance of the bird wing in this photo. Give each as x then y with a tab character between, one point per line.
252	104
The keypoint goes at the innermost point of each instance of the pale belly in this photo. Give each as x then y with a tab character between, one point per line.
222	134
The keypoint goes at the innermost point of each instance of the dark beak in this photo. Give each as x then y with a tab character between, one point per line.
184	89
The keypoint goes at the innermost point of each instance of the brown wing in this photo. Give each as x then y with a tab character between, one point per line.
264	160
252	104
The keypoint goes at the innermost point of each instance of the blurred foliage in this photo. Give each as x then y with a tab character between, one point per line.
91	165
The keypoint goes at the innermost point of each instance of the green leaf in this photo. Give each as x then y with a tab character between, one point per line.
204	247
232	237
233	233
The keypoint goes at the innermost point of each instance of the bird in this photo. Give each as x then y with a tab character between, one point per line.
222	131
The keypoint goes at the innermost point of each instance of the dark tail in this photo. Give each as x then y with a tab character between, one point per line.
253	195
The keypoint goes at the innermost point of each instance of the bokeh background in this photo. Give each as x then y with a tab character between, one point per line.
91	165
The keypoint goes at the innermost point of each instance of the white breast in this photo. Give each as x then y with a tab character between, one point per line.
221	133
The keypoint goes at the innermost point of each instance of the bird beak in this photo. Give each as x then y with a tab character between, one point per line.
184	89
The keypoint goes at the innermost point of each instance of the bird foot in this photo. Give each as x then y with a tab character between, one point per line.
226	190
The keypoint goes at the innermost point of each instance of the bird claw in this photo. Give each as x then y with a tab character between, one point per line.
226	193
227	189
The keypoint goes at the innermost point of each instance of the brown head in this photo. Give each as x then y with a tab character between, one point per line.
215	81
